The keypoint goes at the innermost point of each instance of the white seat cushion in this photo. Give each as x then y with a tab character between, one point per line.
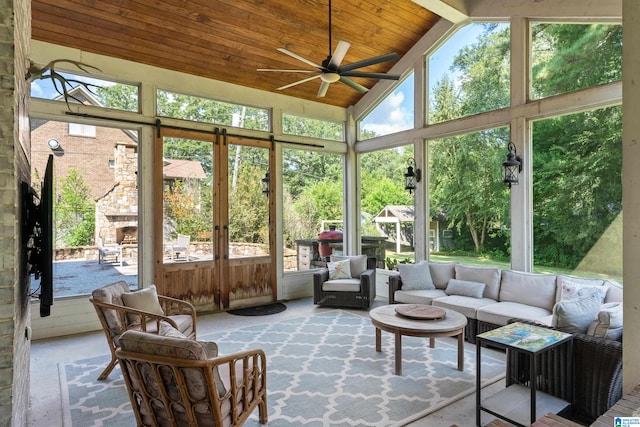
500	312
342	285
463	304
421	296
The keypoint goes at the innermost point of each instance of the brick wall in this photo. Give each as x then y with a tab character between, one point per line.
15	22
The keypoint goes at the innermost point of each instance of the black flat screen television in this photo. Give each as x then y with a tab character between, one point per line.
38	234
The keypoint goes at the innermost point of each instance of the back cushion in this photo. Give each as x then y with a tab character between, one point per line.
614	292
538	290
112	294
441	273
357	265
490	276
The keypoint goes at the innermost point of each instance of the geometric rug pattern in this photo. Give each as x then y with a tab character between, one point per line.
321	370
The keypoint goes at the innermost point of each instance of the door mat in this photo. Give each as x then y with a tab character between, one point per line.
262	310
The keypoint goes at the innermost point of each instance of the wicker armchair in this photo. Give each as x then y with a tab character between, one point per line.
597	375
182	382
117	318
357	292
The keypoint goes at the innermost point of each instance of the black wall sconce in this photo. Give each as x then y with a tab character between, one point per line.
512	166
412	177
266	184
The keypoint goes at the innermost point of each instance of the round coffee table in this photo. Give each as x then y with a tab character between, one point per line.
385	318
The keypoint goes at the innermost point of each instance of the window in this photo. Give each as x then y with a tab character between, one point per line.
577	193
198	109
467	198
386	207
95	205
305	126
470	73
312	200
89	91
393	114
569	57
77	129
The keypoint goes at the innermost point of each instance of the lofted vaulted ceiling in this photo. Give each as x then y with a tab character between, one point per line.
228	40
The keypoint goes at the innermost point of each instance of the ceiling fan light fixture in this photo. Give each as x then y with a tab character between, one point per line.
330	77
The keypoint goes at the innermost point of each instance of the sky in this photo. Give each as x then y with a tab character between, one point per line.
395	113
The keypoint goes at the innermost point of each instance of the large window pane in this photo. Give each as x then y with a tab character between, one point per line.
312	201
387	208
577	193
95	204
89	91
468	200
568	57
188	200
198	109
469	74
315	128
393	114
248	206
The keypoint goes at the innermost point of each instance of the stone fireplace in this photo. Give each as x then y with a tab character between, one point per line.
117	210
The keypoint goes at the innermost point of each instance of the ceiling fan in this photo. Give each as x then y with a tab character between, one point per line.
330	70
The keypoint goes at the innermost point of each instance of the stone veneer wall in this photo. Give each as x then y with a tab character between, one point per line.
15	31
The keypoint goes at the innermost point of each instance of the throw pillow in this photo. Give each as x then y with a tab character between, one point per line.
415	276
144	300
358	263
465	288
608	322
573	290
339	270
166	330
575	315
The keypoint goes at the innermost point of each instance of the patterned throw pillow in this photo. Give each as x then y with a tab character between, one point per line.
339	270
572	290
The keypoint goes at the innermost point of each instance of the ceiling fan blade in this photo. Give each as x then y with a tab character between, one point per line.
338	54
371	75
353	85
288	71
298	57
368	62
298	82
323	89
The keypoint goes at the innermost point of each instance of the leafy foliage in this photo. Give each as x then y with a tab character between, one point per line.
75	211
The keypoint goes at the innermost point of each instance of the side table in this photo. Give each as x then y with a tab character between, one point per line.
518	404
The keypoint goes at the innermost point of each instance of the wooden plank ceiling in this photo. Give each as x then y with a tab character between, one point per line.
228	40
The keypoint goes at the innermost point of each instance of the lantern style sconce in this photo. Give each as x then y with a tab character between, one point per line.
512	166
412	177
265	184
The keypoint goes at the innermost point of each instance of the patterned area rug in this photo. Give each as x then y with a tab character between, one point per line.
322	370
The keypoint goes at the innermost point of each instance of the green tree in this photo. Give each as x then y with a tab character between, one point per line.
75	212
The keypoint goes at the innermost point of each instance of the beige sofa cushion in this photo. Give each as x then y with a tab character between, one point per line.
537	290
490	276
468	306
501	312
441	273
614	293
422	296
415	276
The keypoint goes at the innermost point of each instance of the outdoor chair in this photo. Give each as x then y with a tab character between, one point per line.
120	310
349	281
173	381
181	245
111	249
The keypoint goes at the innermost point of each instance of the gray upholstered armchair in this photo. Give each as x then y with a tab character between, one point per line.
342	286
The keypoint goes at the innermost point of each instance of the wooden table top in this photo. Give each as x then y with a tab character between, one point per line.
387	315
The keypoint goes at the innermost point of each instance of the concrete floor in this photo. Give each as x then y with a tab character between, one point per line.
45	403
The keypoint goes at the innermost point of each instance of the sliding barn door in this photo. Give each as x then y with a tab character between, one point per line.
214	244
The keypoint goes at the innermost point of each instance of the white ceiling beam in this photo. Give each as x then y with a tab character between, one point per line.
454	11
594	10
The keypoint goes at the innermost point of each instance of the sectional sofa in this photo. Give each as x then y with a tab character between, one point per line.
591	309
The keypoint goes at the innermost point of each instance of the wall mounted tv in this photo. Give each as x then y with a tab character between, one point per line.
38	236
